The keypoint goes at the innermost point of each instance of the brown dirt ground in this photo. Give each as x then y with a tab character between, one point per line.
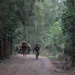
28	65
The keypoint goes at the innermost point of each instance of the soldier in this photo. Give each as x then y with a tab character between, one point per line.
24	48
28	48
36	49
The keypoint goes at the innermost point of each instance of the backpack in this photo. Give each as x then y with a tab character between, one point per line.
37	48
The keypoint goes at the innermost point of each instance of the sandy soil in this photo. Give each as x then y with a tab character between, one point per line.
21	65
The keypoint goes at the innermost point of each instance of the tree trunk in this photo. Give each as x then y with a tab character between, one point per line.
1	48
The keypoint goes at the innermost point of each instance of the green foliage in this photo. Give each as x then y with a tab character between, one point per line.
43	26
68	18
69	25
1	1
8	19
52	57
24	7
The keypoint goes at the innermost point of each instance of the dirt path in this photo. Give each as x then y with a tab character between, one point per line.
21	65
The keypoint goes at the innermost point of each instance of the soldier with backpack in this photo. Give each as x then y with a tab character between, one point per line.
36	50
24	48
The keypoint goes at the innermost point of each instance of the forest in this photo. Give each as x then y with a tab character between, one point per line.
47	22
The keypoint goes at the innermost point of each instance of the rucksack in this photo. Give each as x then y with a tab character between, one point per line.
37	48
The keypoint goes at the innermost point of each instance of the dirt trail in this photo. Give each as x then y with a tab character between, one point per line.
21	65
